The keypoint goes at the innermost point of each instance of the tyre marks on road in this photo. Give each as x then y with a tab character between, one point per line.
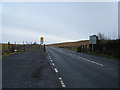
56	70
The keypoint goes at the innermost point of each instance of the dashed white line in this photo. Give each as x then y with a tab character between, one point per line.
60	78
61	81
63	85
51	60
56	70
53	64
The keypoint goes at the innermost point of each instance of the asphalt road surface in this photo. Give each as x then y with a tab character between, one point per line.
79	70
28	70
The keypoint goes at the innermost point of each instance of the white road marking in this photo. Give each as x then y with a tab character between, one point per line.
49	57
63	85
56	70
91	61
60	78
60	51
87	60
51	60
53	64
61	81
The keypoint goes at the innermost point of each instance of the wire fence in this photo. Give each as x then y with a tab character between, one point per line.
9	48
106	47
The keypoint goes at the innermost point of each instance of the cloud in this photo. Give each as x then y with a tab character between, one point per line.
57	21
40	23
19	34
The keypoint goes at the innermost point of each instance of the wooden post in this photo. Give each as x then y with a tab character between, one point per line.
12	48
92	47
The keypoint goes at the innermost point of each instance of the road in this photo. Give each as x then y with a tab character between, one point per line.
29	69
79	70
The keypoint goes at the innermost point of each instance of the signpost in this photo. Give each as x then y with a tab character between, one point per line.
93	40
44	47
41	40
41	43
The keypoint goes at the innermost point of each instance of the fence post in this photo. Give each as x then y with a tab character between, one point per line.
12	48
23	46
15	46
92	48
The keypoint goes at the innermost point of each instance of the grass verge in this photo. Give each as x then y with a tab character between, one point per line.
93	53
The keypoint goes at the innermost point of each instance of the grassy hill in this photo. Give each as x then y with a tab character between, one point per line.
70	44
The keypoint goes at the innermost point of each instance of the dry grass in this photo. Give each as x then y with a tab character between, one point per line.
70	44
5	47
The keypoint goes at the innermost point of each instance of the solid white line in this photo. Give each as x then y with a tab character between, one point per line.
87	60
92	61
56	70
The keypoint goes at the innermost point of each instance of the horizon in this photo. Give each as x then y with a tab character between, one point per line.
58	21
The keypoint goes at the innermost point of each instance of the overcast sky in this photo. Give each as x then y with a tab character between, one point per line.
58	22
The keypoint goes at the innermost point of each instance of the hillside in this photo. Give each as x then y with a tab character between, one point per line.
70	44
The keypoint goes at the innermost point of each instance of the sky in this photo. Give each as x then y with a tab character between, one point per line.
57	21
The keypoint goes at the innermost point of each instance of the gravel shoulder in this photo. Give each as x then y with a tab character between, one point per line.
28	70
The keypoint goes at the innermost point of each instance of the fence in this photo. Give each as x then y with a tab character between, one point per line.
9	48
106	47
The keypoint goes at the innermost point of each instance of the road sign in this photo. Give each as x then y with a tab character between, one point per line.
41	40
93	39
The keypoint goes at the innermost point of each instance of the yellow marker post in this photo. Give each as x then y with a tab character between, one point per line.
41	40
